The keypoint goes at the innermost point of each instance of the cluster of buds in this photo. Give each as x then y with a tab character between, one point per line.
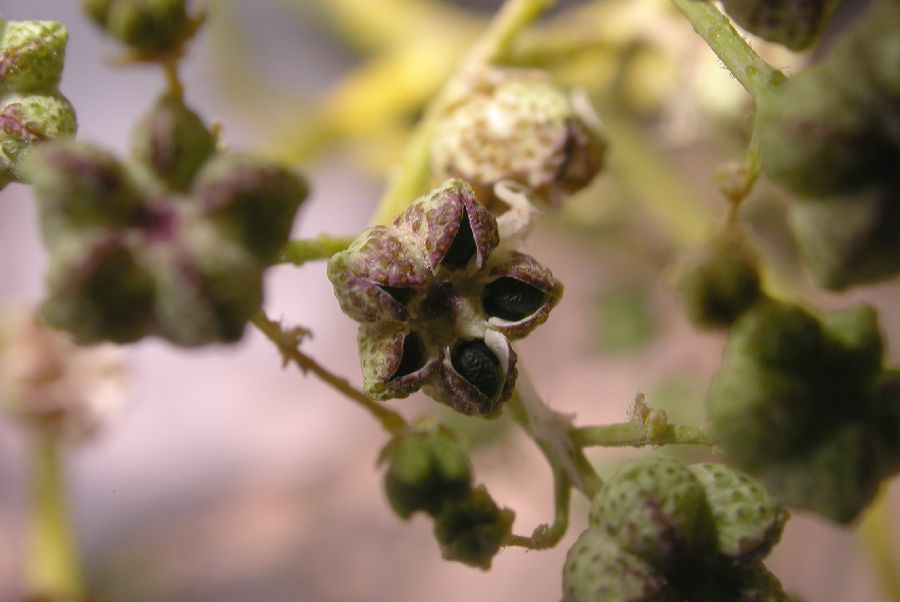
518	125
792	23
173	242
32	110
829	135
150	28
53	386
429	471
661	530
804	405
438	301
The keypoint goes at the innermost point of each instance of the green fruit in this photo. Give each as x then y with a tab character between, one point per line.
98	291
26	121
780	336
32	54
208	287
849	240
827	131
836	478
758	415
748	523
153	26
854	341
598	570
427	470
721	284
793	23
80	186
173	142
654	508
253	199
472	530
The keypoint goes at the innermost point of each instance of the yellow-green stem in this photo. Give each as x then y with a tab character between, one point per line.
298	252
52	570
756	75
630	434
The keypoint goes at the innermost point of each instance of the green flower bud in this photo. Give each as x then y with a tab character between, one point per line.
654	508
173	142
516	124
427	468
748	523
253	199
80	186
31	55
151	26
28	120
756	584
473	529
721	283
597	569
849	240
793	23
758	414
97	290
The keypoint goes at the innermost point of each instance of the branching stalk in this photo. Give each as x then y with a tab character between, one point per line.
287	343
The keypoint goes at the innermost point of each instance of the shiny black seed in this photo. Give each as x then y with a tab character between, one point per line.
401	294
511	299
413	356
463	247
478	365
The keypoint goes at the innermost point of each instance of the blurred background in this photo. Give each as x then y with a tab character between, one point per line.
226	478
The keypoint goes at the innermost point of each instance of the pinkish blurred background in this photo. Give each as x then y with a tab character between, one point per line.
227	478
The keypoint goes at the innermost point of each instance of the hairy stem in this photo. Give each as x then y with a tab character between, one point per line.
52	567
757	76
298	252
631	434
412	174
287	343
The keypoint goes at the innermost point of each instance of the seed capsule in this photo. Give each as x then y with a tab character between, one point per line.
516	124
793	23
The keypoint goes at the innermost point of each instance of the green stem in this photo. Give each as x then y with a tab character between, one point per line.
298	252
413	173
287	343
547	536
757	76
52	567
552	432
630	434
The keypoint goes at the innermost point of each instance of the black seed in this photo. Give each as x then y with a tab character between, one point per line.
478	365
511	299
463	247
401	294
413	356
